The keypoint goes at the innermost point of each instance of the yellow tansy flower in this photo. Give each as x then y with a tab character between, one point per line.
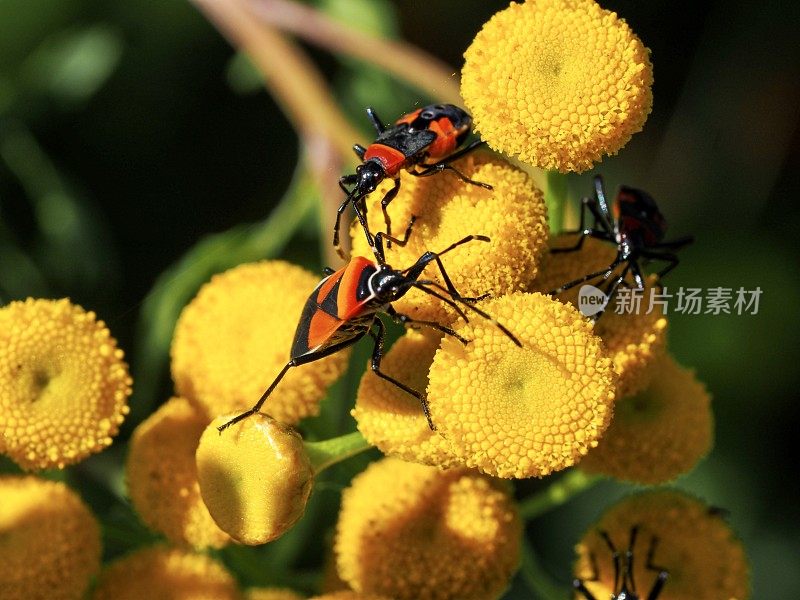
161	572
558	83
512	215
162	476
255	477
413	532
634	341
49	541
392	419
693	543
658	434
235	337
63	384
271	594
529	411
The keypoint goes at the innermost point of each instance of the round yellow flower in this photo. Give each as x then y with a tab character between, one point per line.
162	476
271	594
63	384
161	572
529	411
634	340
658	434
235	337
393	420
49	541
255	477
413	532
693	543
512	215
558	83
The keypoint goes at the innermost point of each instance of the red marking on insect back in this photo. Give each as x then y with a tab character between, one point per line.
409	118
347	301
328	285
446	138
321	328
391	158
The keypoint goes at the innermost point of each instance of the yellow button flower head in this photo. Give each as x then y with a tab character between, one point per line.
413	532
162	476
512	215
235	336
63	384
161	572
271	594
558	83
392	419
659	433
255	477
704	558
529	411
49	541
634	340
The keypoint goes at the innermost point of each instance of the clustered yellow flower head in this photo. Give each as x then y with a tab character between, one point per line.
63	383
692	541
634	340
529	411
413	532
512	215
659	433
235	336
49	541
558	83
160	572
162	476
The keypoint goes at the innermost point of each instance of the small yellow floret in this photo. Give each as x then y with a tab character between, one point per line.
255	477
162	476
161	572
558	83
529	411
235	337
271	594
391	418
658	434
413	532
693	543
49	541
512	215
63	384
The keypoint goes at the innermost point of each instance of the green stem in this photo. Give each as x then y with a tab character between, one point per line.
573	483
537	578
556	199
329	452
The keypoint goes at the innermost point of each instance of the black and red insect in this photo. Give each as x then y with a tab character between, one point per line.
428	138
624	582
345	307
636	228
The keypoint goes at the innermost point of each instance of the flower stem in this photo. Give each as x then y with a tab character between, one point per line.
556	199
572	484
537	579
329	452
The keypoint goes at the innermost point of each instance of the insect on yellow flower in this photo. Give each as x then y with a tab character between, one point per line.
162	476
675	533
234	336
558	83
399	519
63	384
49	541
523	411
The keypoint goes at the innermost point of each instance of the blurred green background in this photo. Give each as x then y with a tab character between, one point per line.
130	131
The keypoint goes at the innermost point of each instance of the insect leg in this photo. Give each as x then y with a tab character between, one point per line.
390	195
406	320
591	205
578	586
406	235
669	257
605	272
663	574
609	224
376	122
614	557
343	181
628	573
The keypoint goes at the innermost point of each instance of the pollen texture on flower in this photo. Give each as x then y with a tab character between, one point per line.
392	419
512	215
235	336
659	433
160	572
63	384
689	539
558	83
49	541
529	411
634	339
162	476
413	532
255	477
